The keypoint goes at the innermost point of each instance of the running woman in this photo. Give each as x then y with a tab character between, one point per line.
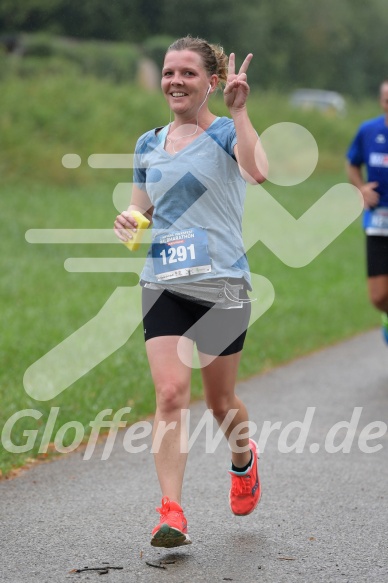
369	149
190	181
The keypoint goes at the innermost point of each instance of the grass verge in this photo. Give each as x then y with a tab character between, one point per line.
314	306
42	304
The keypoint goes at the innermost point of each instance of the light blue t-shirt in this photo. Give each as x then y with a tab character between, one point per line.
198	197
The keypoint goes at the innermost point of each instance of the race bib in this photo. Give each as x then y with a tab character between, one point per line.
376	221
181	253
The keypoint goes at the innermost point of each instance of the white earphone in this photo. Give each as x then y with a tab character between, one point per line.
208	91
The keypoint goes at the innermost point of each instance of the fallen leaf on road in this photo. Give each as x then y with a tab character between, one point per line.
102	570
158	566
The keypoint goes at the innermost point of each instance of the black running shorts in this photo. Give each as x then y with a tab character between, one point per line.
217	332
376	255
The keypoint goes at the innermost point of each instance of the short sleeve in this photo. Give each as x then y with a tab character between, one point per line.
355	153
232	140
139	172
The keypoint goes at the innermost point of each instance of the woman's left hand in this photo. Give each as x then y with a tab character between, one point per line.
237	89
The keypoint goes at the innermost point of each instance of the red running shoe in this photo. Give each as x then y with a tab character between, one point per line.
245	491
172	529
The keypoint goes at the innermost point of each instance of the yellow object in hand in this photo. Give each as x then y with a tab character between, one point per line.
142	223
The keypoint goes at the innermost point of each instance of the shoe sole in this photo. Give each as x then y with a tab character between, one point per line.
170	537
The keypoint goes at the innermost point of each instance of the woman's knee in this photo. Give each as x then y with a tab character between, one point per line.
220	407
171	396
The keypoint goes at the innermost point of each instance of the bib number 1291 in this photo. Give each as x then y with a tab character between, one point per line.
179	253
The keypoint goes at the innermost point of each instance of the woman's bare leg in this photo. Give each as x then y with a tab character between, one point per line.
172	380
219	380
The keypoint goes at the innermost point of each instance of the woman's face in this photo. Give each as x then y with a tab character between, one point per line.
185	81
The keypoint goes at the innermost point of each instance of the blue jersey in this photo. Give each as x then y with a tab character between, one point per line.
198	197
370	148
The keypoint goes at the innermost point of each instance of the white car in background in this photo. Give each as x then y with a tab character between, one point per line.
329	102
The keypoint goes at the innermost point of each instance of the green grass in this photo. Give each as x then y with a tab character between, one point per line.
42	303
316	305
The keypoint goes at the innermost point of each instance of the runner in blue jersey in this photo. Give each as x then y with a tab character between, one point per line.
189	180
369	149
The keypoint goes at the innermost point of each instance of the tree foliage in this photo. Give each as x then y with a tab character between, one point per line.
329	44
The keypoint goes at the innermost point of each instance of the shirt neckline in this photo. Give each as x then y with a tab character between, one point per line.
162	135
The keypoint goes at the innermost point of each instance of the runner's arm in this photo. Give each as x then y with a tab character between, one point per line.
139	202
367	189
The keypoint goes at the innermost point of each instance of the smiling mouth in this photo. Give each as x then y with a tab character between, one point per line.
178	94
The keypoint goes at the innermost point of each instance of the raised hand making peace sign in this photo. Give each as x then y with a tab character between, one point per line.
237	89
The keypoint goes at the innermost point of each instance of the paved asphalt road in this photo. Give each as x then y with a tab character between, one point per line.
322	517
